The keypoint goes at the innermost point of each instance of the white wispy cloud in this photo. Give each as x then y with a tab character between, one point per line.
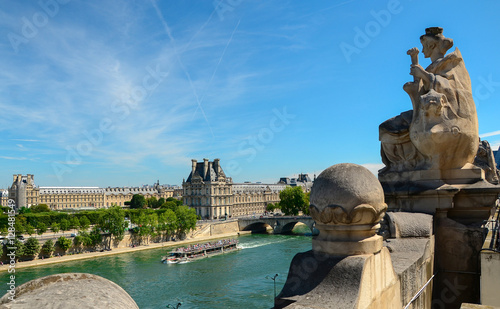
489	134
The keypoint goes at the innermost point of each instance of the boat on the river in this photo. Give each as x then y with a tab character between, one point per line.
187	254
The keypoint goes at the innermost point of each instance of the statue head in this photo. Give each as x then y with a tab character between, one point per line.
434	42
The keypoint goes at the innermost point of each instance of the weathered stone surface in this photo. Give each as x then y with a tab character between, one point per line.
347	194
457	259
441	132
70	290
405	224
485	159
347	203
332	280
323	281
474	306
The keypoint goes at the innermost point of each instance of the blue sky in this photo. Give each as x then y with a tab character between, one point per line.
116	93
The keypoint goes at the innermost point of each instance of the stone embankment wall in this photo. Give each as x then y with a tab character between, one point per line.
203	230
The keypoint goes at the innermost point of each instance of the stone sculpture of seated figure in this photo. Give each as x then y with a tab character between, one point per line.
441	132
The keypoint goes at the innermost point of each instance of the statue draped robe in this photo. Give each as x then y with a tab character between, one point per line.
441	132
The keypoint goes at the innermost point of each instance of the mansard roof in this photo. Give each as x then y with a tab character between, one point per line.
214	173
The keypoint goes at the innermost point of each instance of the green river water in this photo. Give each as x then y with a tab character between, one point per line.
233	280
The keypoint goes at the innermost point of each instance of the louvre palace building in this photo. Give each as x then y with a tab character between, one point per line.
26	194
214	195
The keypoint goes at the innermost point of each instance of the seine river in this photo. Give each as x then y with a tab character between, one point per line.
233	280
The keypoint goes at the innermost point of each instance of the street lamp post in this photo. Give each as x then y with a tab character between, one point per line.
274	283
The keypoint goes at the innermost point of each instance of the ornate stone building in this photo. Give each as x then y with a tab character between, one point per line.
26	194
120	195
58	198
302	181
23	191
213	195
4	197
208	190
253	198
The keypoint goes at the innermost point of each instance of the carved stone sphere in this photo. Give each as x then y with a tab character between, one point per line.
69	290
347	194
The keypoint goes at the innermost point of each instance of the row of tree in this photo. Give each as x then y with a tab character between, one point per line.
33	248
150	224
37	219
138	201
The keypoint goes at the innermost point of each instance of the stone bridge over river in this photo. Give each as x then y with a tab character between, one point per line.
279	224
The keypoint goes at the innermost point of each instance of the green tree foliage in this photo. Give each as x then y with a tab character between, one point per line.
84	223
112	222
86	239
293	200
168	221
137	201
95	237
41	228
186	220
24	210
55	227
63	243
78	242
271	207
40	208
30	230
151	202
74	223
31	247
160	202
48	248
169	205
143	230
65	225
19	247
20	225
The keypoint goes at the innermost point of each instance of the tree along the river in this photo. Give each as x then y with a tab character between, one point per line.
63	243
112	223
293	200
186	220
31	247
48	248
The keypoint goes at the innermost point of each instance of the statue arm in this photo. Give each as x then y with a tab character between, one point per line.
419	72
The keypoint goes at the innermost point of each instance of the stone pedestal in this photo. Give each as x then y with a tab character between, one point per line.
463	192
348	267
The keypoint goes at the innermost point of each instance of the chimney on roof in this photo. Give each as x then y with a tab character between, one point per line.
193	166
205	168
217	166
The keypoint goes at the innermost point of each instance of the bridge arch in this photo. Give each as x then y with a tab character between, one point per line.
258	227
280	225
288	228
